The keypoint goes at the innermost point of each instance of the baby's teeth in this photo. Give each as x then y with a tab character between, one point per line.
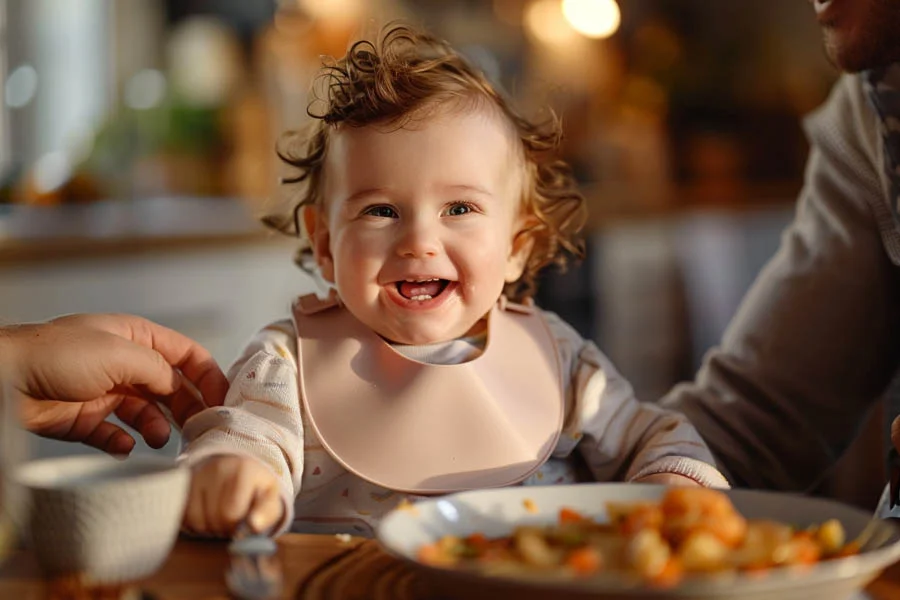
421	297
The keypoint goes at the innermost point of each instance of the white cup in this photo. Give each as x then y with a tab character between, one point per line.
103	519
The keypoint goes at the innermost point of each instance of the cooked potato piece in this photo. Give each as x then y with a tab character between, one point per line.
830	536
702	551
648	553
762	540
529	542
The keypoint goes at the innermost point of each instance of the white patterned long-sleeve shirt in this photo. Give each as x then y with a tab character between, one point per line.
605	429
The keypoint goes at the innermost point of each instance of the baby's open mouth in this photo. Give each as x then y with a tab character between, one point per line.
422	290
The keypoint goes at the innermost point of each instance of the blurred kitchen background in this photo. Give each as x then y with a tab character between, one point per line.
137	137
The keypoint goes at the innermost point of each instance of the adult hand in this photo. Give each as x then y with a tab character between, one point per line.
73	372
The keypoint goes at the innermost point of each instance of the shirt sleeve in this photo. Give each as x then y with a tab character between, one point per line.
816	340
619	437
261	416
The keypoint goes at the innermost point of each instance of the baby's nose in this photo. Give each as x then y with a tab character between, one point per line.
418	241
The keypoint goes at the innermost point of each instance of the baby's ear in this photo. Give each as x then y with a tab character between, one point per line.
316	226
520	250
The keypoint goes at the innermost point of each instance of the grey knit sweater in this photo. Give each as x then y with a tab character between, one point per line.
816	341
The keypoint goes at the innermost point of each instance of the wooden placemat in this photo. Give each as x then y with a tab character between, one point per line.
364	572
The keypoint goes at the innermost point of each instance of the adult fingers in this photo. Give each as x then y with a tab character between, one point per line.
72	421
194	361
137	368
132	365
110	438
147	418
176	349
183	404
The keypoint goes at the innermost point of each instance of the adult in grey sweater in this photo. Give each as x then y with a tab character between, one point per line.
816	342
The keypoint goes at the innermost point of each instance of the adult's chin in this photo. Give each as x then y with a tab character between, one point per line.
852	54
860	34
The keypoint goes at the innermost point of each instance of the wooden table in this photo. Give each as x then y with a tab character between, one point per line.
316	568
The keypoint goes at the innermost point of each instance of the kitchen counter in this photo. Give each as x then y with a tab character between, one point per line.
119	227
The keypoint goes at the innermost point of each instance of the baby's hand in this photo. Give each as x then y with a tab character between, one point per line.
668	479
227	490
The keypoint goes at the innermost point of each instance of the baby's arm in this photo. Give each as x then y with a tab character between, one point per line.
620	437
247	456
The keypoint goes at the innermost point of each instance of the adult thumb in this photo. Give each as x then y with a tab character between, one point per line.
136	366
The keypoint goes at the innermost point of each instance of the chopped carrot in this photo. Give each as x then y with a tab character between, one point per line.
478	541
849	549
806	550
529	505
642	517
584	561
568	515
431	554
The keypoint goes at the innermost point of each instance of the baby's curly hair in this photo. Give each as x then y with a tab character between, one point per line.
398	78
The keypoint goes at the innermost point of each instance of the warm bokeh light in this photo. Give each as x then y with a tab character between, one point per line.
544	20
592	18
332	9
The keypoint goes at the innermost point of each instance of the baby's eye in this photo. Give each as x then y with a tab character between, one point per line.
460	208
385	212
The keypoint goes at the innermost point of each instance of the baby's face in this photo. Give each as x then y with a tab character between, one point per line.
418	223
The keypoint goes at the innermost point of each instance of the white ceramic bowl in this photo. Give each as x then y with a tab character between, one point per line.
496	512
105	519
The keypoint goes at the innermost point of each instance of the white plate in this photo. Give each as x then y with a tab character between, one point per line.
496	512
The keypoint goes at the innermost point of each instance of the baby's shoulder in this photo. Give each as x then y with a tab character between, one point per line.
277	338
280	329
574	349
561	330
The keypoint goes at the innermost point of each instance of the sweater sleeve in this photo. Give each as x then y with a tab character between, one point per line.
261	417
619	437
